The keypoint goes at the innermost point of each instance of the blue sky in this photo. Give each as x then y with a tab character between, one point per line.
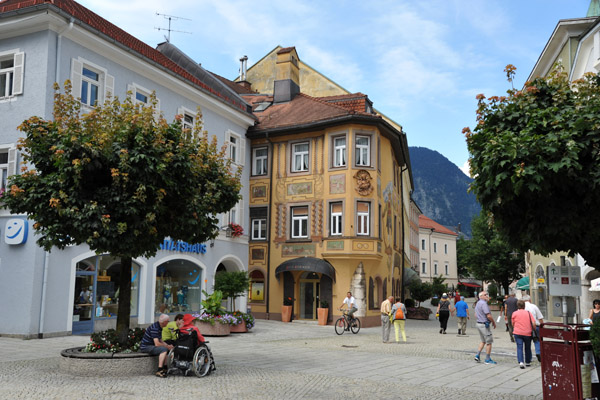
421	62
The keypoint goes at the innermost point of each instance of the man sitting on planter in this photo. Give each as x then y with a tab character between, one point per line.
152	344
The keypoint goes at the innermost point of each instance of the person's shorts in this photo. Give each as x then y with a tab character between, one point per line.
154	350
485	334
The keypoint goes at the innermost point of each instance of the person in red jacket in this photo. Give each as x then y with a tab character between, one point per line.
188	326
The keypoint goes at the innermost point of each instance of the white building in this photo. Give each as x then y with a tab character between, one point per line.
63	292
437	252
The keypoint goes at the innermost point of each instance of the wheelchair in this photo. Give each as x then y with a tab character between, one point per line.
187	358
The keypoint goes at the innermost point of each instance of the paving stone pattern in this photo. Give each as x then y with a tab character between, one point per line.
293	361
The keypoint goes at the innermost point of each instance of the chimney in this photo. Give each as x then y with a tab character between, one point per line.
287	75
243	73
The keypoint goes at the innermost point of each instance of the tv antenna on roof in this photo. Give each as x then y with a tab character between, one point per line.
169	30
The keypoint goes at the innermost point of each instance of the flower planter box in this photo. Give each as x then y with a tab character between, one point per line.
218	329
239	328
286	313
322	314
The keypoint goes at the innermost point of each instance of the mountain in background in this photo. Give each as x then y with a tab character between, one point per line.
441	189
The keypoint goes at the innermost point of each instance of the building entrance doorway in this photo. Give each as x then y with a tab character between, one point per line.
310	289
83	306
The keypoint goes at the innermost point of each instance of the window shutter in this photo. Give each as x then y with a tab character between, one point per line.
109	87
12	161
181	112
242	156
76	71
19	63
131	93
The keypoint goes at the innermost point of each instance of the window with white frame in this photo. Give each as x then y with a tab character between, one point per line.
90	82
235	147
339	151
11	73
187	122
299	222
362	218
259	229
8	165
142	96
300	157
259	160
363	150
336	218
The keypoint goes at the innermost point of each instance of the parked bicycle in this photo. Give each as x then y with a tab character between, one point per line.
346	323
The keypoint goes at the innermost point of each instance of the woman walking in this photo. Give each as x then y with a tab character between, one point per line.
523	323
398	316
443	310
595	312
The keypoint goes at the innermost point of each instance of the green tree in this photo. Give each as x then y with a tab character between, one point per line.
462	248
535	159
438	287
120	179
232	284
420	291
489	256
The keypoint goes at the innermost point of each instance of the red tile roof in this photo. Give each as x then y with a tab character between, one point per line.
428	223
96	22
301	110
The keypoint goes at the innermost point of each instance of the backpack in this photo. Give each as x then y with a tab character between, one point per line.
399	313
185	345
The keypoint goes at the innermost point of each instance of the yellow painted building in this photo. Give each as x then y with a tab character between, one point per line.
326	204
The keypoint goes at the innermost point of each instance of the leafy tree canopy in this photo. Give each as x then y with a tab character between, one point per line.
488	256
232	284
119	179
420	291
535	158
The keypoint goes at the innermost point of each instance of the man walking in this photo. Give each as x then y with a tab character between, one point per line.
510	306
484	319
462	313
386	308
539	319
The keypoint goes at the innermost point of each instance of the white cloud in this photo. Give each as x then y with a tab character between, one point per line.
465	168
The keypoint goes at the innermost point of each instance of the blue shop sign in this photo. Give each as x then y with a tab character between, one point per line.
184	247
15	231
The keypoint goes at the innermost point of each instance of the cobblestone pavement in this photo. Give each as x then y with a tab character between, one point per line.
294	361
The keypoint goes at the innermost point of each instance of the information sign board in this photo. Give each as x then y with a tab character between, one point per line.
564	281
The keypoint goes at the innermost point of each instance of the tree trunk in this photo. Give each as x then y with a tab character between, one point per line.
124	309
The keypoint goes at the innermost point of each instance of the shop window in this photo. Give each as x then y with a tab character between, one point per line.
256	292
299	222
336	220
178	287
11	73
362	218
300	157
259	161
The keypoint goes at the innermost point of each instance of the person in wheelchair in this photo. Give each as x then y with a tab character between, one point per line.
190	354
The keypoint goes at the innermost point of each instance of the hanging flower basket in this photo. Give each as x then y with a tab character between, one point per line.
236	230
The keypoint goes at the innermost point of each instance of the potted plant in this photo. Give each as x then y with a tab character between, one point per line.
286	309
323	312
244	322
213	321
236	230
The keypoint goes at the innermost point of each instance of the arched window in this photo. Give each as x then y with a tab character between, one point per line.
178	287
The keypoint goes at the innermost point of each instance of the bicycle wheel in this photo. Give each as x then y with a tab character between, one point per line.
340	325
201	362
355	325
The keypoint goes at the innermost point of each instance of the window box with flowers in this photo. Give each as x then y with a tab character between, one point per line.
286	309
235	229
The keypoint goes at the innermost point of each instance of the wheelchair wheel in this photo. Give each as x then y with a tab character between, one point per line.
355	325
201	362
340	325
170	359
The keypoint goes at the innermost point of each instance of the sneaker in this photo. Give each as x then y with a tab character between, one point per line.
521	365
444	332
528	365
477	358
441	330
490	361
459	331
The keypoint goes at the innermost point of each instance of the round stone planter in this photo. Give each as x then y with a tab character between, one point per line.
75	362
239	328
206	329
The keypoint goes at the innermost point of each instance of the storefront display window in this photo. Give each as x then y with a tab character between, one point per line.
107	287
256	292
178	287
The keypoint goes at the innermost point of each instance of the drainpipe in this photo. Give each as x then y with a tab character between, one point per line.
59	47
402	236
43	297
270	210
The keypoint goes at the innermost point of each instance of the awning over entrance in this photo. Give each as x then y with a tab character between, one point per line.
523	283
310	264
469	284
409	275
